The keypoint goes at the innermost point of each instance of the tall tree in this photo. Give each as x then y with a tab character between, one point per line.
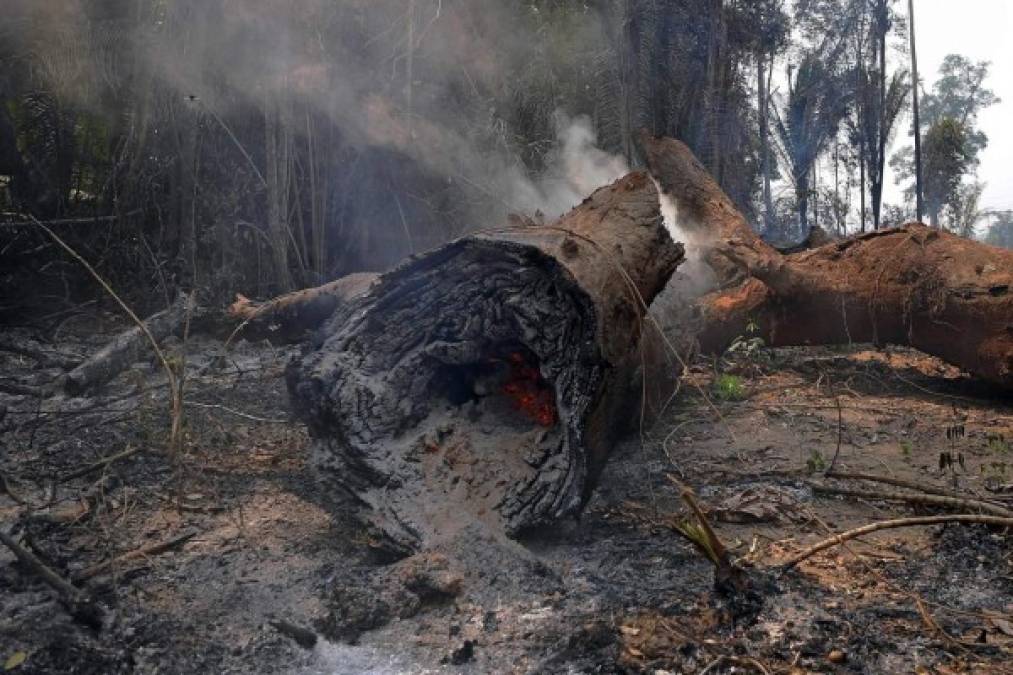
888	100
816	103
952	141
769	33
946	162
1000	233
916	129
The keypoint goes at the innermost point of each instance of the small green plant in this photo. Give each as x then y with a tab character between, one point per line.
906	448
994	473
815	463
729	388
997	444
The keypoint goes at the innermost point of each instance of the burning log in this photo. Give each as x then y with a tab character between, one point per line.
913	285
483	380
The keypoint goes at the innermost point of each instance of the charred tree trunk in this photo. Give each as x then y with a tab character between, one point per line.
482	380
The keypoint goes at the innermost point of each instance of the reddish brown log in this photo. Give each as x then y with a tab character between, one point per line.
913	285
288	318
945	295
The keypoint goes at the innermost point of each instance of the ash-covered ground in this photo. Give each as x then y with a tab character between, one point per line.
616	591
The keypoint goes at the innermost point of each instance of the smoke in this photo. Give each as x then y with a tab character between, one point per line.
577	167
442	86
695	275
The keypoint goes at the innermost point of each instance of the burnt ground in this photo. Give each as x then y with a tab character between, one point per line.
616	591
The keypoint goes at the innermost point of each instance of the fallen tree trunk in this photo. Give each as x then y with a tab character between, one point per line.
125	349
482	380
285	319
916	286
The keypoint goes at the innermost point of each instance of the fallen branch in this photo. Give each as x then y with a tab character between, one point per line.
836	540
143	552
100	464
899	482
923	499
80	606
127	348
237	413
289	317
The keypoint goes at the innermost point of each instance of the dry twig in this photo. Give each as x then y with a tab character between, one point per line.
143	552
81	607
923	499
900	482
100	464
836	540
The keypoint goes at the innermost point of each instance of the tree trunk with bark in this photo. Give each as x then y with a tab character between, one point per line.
483	380
913	285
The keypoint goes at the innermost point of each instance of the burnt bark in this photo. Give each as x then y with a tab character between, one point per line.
483	380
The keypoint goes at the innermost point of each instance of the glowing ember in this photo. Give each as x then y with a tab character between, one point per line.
529	392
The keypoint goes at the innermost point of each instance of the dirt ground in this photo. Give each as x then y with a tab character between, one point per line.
616	591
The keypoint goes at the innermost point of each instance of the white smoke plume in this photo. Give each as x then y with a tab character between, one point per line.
576	168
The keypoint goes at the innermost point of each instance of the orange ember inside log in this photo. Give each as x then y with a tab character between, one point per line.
529	392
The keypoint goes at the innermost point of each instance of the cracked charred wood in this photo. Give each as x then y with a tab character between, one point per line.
913	285
483	381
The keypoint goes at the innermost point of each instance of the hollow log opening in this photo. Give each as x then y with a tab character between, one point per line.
480	381
465	387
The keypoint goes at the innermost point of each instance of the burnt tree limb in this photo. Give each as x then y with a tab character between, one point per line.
125	349
285	319
289	317
917	286
482	380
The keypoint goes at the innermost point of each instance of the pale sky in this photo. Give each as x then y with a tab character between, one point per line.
981	30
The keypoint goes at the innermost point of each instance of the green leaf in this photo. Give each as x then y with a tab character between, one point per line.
15	660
